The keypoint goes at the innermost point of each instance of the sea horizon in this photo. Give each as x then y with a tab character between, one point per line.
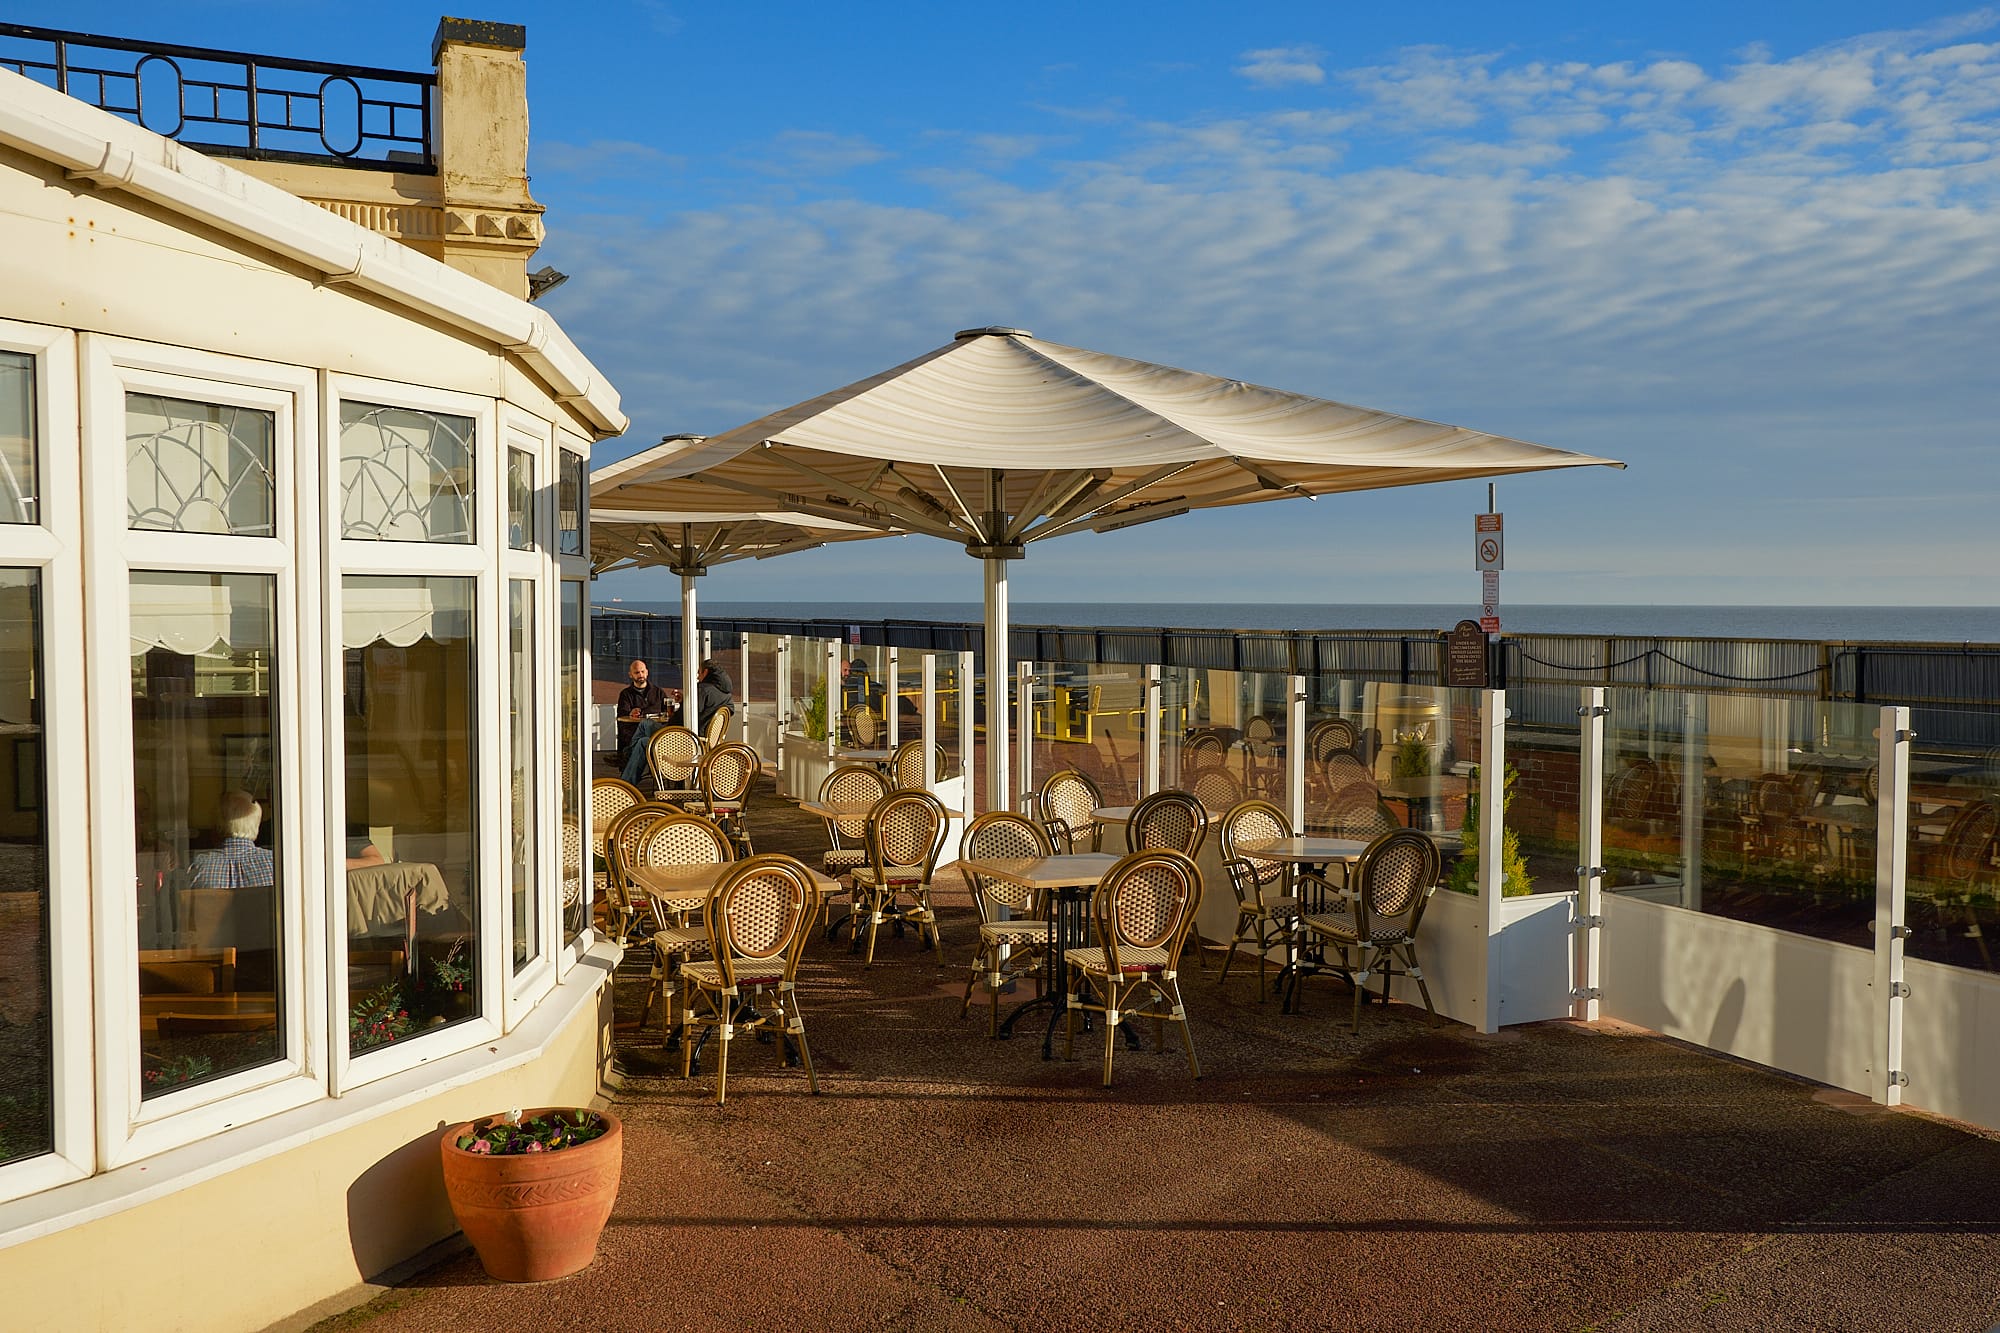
1908	624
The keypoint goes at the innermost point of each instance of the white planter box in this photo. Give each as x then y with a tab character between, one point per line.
803	768
1533	954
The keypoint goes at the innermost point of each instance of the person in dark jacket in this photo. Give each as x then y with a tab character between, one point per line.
712	688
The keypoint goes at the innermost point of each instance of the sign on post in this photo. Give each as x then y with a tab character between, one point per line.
1489	558
1465	657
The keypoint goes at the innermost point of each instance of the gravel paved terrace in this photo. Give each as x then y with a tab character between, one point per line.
1553	1177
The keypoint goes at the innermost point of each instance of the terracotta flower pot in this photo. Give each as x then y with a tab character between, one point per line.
534	1216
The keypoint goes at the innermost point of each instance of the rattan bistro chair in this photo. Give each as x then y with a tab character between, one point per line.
850	784
1377	933
725	779
675	755
756	923
677	840
1012	947
1143	911
1173	820
1065	804
623	900
609	798
1215	788
906	831
863	726
906	766
1265	908
716	729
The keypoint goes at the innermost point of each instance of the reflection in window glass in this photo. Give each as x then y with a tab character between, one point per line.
205	826
521	764
412	848
26	1066
520	500
405	475
198	467
18	460
569	503
576	905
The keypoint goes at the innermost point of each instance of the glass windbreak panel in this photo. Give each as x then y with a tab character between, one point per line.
1182	709
759	691
521	767
19	459
199	467
1954	837
575	765
520	500
1340	754
864	694
405	475
205	807
806	670
1742	806
412	830
1544	754
27	1070
569	503
950	705
1088	720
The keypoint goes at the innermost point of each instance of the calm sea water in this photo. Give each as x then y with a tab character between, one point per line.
1934	624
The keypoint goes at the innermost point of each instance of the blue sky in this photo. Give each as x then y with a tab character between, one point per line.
1750	250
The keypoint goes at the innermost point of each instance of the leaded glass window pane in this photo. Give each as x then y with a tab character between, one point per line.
199	467
520	500
569	503
18	461
405	475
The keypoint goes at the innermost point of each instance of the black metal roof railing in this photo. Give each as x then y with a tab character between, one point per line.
235	105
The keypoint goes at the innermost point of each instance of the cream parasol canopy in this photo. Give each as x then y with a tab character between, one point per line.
689	542
998	439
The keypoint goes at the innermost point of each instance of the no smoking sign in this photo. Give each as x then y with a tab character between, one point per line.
1488	549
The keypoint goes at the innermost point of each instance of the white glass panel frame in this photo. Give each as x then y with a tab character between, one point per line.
575	569
129	1128
479	561
53	548
535	437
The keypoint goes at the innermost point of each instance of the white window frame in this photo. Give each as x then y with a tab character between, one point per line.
535	437
129	1126
477	560
576	569
52	548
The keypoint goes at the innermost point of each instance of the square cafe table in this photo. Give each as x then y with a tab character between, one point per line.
1315	853
1068	880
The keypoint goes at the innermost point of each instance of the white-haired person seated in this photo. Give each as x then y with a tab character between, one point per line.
239	863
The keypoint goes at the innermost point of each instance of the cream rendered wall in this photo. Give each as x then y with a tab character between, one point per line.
105	261
249	1247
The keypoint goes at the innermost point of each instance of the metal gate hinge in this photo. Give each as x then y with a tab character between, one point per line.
1899	990
1900	932
1898	1079
1594	872
1586	993
1593	710
1904	736
1589	923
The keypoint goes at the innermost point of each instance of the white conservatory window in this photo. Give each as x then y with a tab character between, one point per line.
405	474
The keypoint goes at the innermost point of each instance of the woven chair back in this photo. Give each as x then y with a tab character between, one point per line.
863	726
1261	734
1254	821
906	831
572	861
908	764
853	784
675	753
1357	812
610	798
1342	769
1146	901
1069	796
683	839
1325	739
1394	879
1215	788
717	727
1968	839
1167	820
761	911
622	840
1204	750
1773	797
1001	834
727	772
1631	791
1871	783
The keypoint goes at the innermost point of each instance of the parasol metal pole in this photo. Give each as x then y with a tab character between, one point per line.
690	643
999	785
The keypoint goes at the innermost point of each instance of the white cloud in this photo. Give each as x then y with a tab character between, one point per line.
807	153
1282	66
